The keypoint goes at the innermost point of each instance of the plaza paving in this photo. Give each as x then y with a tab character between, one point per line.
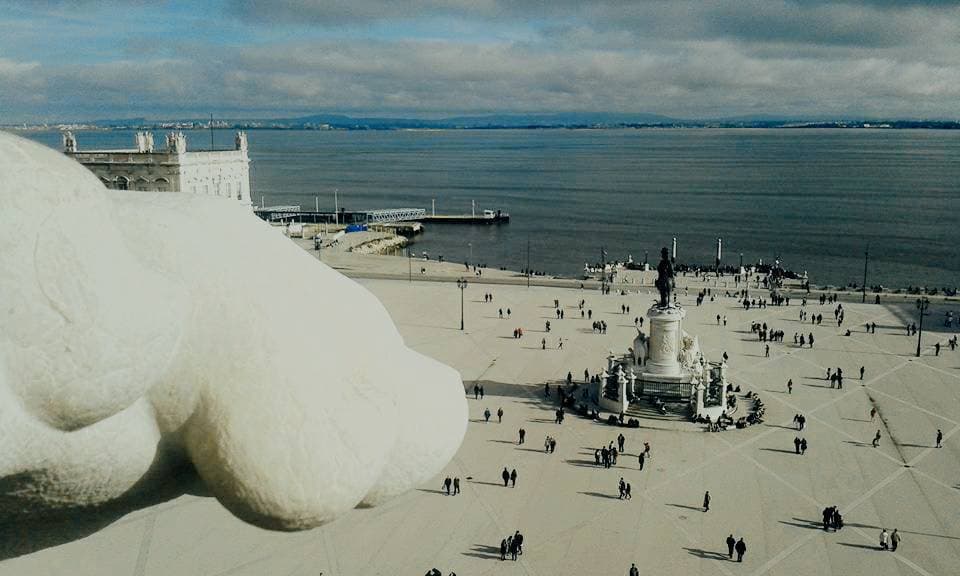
566	507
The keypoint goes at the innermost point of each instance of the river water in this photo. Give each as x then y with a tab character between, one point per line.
817	199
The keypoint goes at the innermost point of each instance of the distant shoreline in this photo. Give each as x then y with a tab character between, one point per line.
428	127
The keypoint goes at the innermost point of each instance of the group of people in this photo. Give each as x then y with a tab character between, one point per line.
512	545
550	445
738	546
455	483
486	415
625	493
799	420
600	327
832	519
800	445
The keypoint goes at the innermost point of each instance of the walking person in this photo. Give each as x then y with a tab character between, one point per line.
862	369
803	446
633	570
499	415
883	540
939	445
446	484
505	475
876	439
641	458
894	540
513	478
706	501
503	549
741	549
456	485
790	386
486	415
796	444
523	435
731	542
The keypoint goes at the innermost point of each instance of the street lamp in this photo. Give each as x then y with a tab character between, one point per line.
409	265
462	285
922	304
866	258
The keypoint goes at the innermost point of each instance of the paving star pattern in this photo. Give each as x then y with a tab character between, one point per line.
566	507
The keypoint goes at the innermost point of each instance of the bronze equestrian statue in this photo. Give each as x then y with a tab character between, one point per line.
665	282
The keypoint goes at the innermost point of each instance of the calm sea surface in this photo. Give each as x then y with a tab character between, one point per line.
815	198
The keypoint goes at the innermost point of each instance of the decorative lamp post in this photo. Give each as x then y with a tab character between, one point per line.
922	304
866	258
462	285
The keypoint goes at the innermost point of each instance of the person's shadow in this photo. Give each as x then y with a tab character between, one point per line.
707	554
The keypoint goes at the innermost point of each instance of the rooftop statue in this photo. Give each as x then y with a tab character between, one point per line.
665	282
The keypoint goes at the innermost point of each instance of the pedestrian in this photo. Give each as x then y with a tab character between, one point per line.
796	444
873	413
767	351
506	476
596	456
546	389
876	439
499	415
629	496
741	548
937	348
790	386
623	488
633	570
503	549
543	343
486	415
646	450
803	446
513	478
731	542
939	440
476	391
706	501
894	540
456	485
518	540
862	369
883	540
481	392
641	458
621	440
446	484
523	434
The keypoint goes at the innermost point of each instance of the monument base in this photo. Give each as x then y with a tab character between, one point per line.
665	341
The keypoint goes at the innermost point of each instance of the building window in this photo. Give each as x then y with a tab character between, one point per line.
122	183
161	185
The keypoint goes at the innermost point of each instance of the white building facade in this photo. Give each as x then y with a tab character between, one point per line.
224	173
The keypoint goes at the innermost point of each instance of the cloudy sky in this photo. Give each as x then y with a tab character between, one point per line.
87	59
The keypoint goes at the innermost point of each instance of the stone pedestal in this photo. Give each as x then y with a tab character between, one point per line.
663	352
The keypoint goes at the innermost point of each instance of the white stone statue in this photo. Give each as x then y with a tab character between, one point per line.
144	141
69	142
240	141
176	142
141	331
